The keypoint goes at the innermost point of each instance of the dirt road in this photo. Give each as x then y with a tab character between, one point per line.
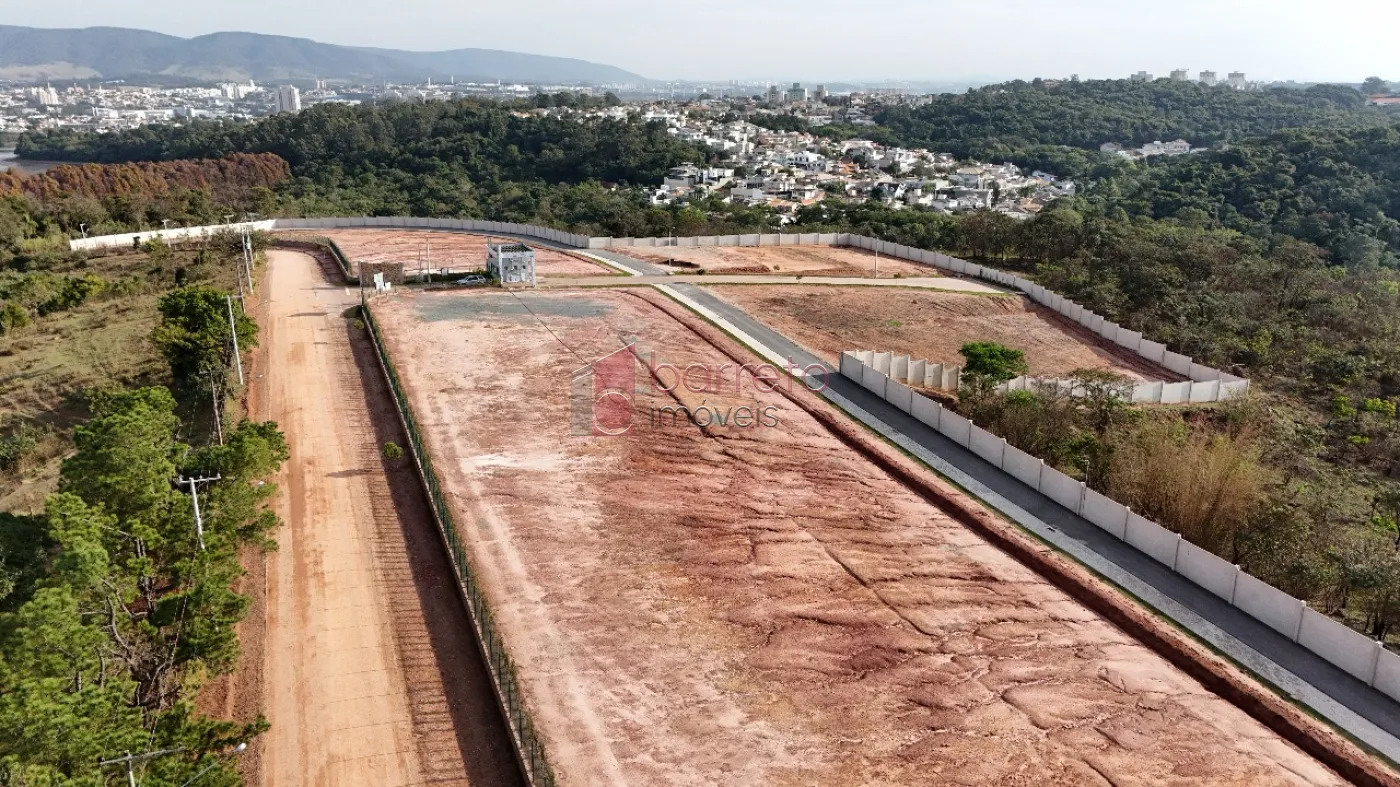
371	676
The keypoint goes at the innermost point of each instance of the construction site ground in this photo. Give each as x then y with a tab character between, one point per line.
357	647
763	605
459	252
840	261
933	326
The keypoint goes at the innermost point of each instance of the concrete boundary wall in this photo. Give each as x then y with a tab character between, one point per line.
1349	650
1336	643
1205	569
1269	605
1105	512
270	225
955	427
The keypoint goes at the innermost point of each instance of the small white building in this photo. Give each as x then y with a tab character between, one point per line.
511	263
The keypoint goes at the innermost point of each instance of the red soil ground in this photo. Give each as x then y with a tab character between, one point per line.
933	326
457	251
765	606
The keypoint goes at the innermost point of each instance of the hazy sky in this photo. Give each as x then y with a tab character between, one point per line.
818	39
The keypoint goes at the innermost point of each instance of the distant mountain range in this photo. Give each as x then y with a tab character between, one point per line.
29	53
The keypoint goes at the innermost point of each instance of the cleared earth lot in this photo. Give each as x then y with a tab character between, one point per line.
457	251
932	326
762	605
806	260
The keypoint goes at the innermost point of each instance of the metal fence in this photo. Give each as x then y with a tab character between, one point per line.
504	678
345	266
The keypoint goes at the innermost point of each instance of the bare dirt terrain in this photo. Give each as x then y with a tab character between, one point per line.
748	605
806	260
370	675
933	326
457	251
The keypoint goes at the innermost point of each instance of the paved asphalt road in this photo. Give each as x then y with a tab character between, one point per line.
945	283
1352	694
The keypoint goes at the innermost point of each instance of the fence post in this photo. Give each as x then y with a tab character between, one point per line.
1236	586
1176	555
1298	632
1376	663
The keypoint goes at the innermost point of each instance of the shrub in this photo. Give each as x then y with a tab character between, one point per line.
392	451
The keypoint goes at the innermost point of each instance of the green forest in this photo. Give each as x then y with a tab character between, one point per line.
116	602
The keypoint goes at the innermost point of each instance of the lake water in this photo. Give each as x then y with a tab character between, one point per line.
8	161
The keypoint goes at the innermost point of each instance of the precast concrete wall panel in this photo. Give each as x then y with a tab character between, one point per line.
1106	513
1152	539
1096	323
1152	351
933	376
748	240
882	362
1202	373
866	357
1176	393
1022	466
1108	330
828	239
1205	569
418	223
899	368
1061	488
1342	646
987	445
1228	390
1387	679
399	221
1205	392
873	381
1177	362
789	240
1269	605
811	238
1129	339
918	372
926	411
1147	393
955	427
899	395
851	366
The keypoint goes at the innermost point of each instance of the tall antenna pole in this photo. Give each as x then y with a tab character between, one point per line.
193	484
233	331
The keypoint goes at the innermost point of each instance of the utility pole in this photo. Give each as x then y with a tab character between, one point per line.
193	484
248	260
428	247
130	760
233	331
218	411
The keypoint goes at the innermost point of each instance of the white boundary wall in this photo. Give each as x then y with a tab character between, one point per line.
1131	340
450	225
1338	644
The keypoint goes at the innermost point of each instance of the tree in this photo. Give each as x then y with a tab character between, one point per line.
194	336
993	363
1375	85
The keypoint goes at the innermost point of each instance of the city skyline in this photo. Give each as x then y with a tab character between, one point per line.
820	41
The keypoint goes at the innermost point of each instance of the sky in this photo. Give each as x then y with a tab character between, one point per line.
818	40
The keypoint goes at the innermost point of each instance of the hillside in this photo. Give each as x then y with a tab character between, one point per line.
110	52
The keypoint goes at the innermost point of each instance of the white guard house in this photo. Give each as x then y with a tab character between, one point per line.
511	263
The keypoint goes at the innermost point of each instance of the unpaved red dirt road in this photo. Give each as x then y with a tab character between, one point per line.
765	606
370	674
459	251
933	326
